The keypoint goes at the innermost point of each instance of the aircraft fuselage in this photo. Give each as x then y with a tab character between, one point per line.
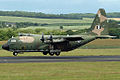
34	44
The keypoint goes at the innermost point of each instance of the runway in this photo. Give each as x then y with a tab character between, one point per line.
38	59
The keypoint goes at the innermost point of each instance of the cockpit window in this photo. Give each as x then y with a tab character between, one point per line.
13	41
8	41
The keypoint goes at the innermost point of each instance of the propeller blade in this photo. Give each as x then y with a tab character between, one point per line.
42	39
51	38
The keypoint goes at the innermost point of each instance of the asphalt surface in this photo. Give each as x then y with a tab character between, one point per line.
31	59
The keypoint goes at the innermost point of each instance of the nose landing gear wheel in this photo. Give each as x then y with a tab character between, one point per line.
15	54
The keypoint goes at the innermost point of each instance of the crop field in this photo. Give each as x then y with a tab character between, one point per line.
117	19
40	20
1	43
57	27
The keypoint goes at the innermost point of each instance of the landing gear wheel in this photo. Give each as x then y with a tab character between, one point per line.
15	54
45	53
57	53
51	54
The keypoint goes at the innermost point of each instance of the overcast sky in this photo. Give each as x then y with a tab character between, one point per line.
60	6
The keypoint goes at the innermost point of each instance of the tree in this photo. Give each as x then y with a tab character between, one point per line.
61	27
38	30
70	32
3	35
10	33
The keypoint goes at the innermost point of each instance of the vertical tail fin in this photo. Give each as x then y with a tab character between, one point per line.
99	25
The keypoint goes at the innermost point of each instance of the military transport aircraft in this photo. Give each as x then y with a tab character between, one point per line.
54	45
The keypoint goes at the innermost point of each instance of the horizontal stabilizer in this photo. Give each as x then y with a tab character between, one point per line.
105	36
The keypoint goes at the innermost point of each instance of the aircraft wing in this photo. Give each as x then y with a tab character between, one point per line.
78	37
59	39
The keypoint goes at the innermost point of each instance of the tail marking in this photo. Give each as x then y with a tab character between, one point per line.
98	30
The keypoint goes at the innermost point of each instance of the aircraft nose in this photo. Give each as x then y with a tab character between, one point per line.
5	46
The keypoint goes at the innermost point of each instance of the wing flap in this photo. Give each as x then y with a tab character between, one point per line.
73	38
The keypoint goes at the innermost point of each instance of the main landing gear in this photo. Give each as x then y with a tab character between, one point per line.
52	52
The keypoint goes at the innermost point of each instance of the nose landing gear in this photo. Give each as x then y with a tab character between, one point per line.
45	53
15	53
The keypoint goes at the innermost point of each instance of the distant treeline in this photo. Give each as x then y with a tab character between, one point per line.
39	15
4	24
55	16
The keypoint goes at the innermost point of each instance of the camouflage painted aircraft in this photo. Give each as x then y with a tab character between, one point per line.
54	45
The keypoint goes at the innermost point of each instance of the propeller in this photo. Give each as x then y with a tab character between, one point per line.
42	39
51	38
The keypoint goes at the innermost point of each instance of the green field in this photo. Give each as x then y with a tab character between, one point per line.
103	44
60	71
54	24
40	20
